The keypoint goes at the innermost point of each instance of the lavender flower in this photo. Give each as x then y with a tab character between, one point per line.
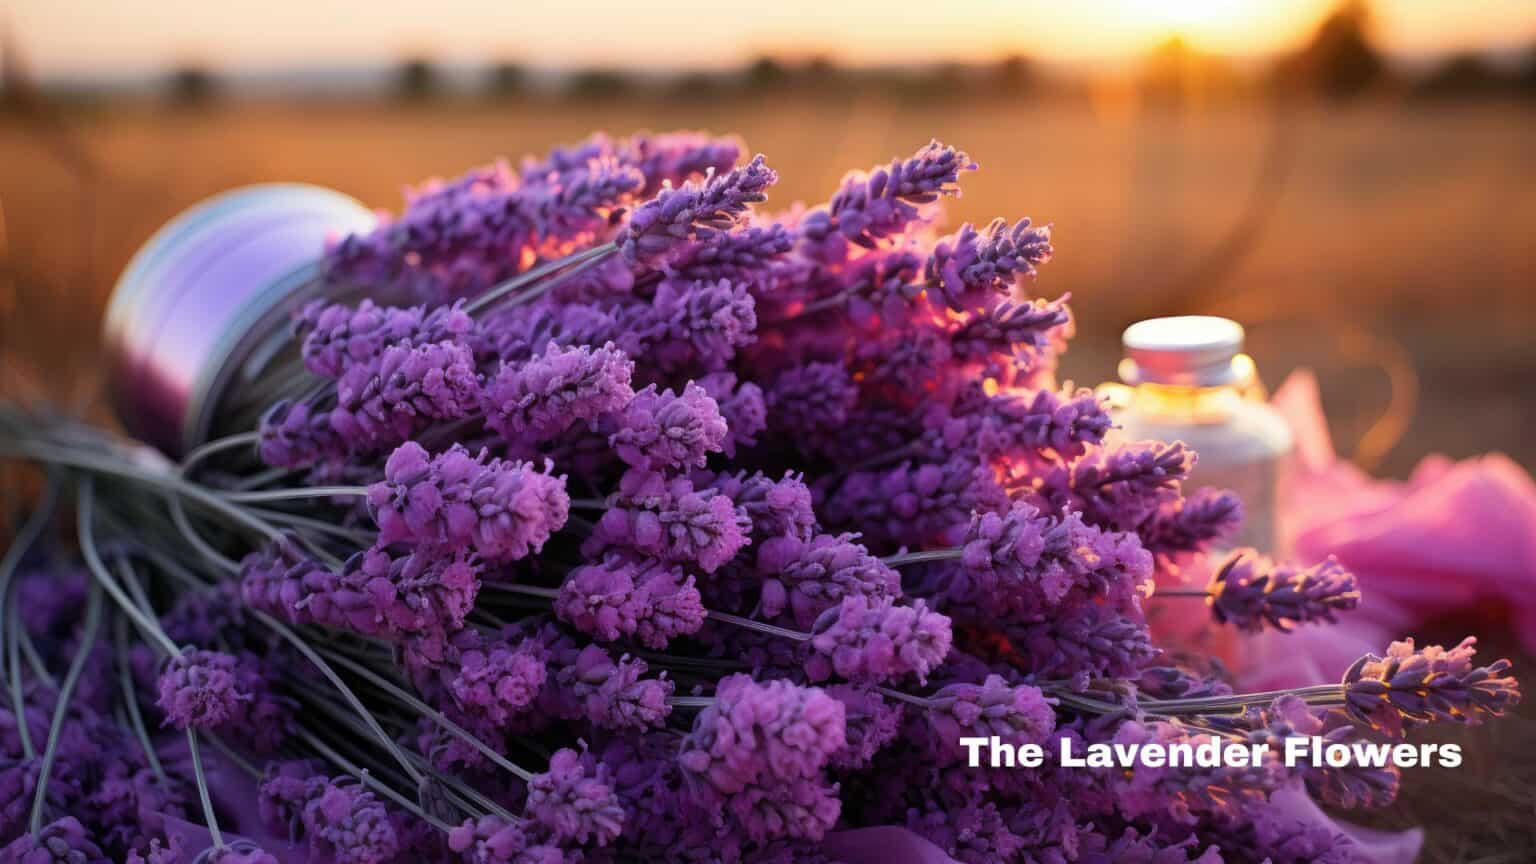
572	801
743	407
504	510
345	823
378	406
971	267
805	578
674	157
1016	427
1121	488
615	694
741	256
1183	793
863	639
873	206
490	680
645	599
493	840
693	211
1017	714
1249	590
62	840
338	337
1411	687
238	852
671	520
695	325
1019	332
200	689
1193	521
293	436
811	402
931	501
756	729
775	508
537	400
667	432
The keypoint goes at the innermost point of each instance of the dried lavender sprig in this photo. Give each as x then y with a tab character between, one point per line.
693	211
1249	590
1412	686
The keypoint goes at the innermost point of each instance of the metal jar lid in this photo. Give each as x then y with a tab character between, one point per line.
1185	350
205	294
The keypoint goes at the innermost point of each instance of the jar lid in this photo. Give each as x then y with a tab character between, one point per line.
1184	350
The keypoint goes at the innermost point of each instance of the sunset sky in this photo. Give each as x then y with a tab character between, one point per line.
104	37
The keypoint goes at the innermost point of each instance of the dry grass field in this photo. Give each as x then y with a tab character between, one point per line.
1389	246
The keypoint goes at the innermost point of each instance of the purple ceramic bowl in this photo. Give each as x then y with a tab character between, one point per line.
203	306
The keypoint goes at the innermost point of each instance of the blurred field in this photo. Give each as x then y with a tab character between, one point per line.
1388	238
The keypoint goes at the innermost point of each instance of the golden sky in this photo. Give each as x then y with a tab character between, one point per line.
103	36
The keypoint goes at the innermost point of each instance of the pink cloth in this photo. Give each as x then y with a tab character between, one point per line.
1456	537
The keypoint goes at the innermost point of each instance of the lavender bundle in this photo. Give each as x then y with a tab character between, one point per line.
661	528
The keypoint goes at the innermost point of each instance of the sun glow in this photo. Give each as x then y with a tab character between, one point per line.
1192	14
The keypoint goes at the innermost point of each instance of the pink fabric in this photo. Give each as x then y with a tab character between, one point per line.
887	844
1456	537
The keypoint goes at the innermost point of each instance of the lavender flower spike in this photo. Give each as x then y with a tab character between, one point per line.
1017	714
972	266
504	510
201	689
1249	591
537	400
1411	687
873	206
666	431
864	639
573	804
693	211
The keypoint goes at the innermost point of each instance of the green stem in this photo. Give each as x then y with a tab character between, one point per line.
87	530
202	790
66	692
131	697
18	699
295	494
367	717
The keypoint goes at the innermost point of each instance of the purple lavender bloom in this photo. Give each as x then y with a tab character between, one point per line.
1193	521
539	399
1082	641
872	723
883	202
494	840
1015	427
1121	487
756	729
294	436
517	334
200	689
345	823
504	510
671	520
867	640
693	211
1010	334
674	157
1017	714
396	596
282	793
573	802
804	578
743	407
167	852
581	202
1410	687
490	680
916	502
694	325
62	840
741	256
1249	590
338	337
970	267
620	596
776	508
811	402
1184	792
667	432
411	385
616	695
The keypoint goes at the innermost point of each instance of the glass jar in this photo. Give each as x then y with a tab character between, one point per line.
1186	379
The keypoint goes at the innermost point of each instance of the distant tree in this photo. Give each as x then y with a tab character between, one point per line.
598	84
1461	76
765	73
1014	75
507	78
697	85
1525	77
416	79
191	84
1340	61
